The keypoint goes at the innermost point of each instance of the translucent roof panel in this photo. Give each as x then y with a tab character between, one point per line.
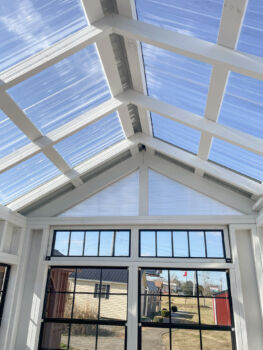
175	133
91	140
242	106
28	26
26	176
63	91
11	138
176	79
196	18
251	36
237	159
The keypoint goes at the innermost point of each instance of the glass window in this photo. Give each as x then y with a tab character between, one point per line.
93	311
189	320
4	276
91	243
214	244
164	246
180	244
197	244
147	243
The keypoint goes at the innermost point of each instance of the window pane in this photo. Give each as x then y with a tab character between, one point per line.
215	311
113	307
111	338
91	243
122	242
76	243
214	244
155	308
185	339
183	282
106	243
87	279
184	310
212	283
197	244
147	239
86	307
61	243
216	340
59	305
83	336
180	243
164	243
155	338
2	276
62	279
154	281
117	279
55	336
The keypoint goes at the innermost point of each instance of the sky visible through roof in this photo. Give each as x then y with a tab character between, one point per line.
76	84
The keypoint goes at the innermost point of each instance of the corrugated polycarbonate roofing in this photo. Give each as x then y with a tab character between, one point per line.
76	85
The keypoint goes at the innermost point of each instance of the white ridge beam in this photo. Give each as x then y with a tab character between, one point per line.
210	168
206	126
60	133
81	169
182	44
52	55
231	22
94	13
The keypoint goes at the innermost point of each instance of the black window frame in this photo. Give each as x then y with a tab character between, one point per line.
52	255
188	256
3	289
199	327
72	321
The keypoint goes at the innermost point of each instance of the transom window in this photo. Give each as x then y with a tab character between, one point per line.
91	243
4	276
182	243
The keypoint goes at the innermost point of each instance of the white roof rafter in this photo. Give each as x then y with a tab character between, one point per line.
230	26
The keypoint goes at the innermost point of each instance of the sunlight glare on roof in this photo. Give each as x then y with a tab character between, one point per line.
251	36
176	79
91	140
11	138
29	26
175	133
242	106
63	91
196	18
26	176
237	159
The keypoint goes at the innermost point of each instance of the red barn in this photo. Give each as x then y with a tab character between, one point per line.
221	307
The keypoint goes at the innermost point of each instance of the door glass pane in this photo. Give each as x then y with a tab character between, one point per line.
117	279
164	243
155	338
87	279
113	307
184	310
55	336
183	282
185	339
59	305
83	336
180	243
147	243
111	338
62	279
155	308
216	340
212	283
215	311
86	307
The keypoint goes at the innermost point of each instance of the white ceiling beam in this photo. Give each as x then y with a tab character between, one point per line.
60	133
211	189
127	8
206	126
231	22
182	44
259	204
94	13
14	112
81	169
11	216
52	55
210	168
72	198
